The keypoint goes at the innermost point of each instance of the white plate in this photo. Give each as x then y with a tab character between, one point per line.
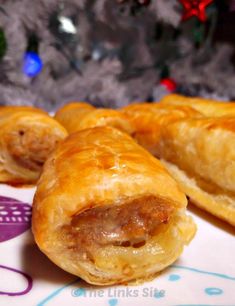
204	274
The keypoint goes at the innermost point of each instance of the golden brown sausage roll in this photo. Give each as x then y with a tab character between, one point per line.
78	116
200	154
71	114
149	120
207	107
107	211
27	136
9	109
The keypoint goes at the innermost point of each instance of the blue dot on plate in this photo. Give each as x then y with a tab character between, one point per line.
113	302
32	64
174	277
213	291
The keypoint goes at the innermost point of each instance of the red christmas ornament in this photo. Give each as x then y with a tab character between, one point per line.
169	84
195	8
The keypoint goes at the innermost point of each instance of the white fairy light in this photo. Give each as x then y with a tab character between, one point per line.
67	25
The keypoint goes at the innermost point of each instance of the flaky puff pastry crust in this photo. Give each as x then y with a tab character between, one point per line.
27	136
149	120
207	107
77	116
200	154
98	195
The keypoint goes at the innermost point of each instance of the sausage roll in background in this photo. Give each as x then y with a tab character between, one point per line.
27	136
77	116
200	154
148	121
8	110
207	107
107	211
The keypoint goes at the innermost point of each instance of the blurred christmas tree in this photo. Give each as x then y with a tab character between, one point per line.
113	52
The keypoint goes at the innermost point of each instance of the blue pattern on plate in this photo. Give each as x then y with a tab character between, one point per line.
114	302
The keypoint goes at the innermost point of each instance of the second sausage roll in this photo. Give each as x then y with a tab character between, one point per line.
200	154
107	211
149	119
77	116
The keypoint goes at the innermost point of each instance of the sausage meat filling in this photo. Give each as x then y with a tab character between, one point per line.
121	225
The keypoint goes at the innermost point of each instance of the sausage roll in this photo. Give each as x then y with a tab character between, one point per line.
78	116
200	154
108	211
9	109
27	136
149	120
209	108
